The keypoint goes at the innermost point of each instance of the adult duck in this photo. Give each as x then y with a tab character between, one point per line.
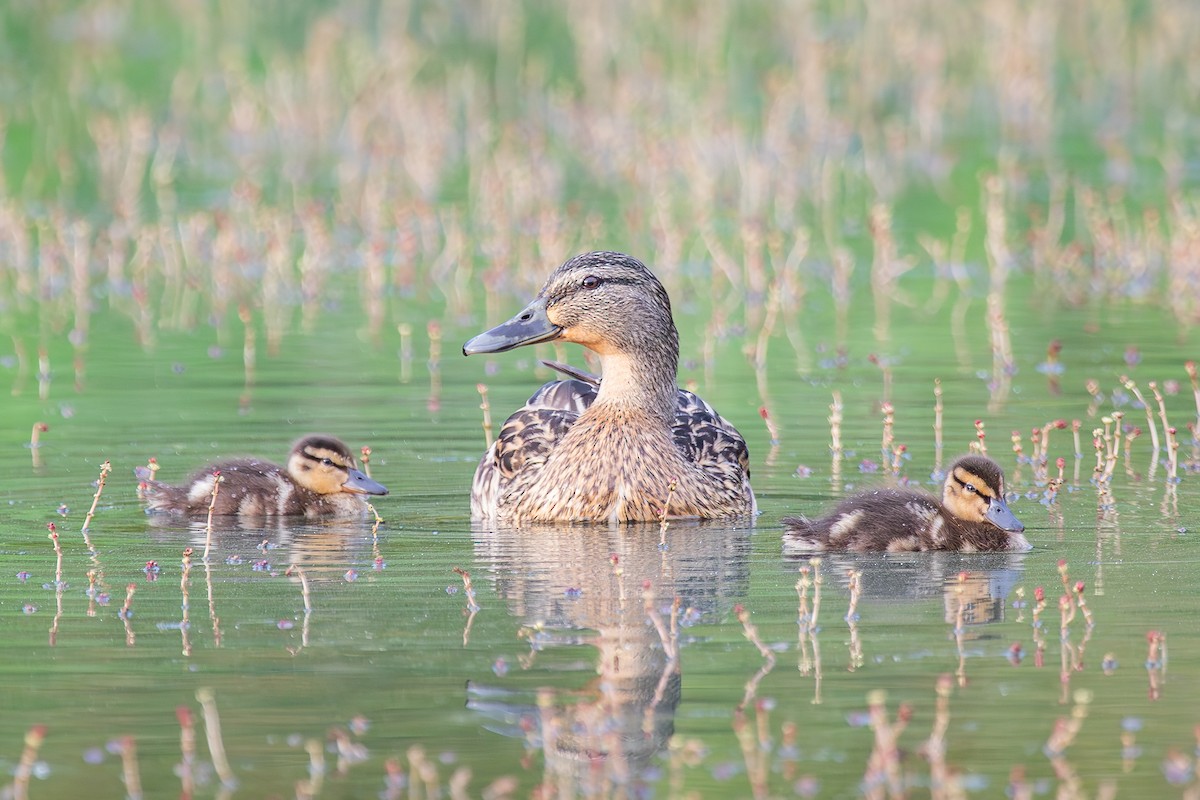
630	447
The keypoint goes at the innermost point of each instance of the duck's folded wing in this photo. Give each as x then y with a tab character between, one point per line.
526	439
708	440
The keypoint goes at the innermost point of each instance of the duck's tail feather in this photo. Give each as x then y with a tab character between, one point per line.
161	497
799	535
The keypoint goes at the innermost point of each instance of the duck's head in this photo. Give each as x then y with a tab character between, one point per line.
608	302
323	464
974	491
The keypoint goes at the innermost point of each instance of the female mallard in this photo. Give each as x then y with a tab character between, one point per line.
321	479
622	449
972	517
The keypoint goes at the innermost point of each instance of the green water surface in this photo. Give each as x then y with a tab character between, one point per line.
226	225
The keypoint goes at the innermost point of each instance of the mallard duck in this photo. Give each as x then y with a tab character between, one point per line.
620	449
972	517
321	479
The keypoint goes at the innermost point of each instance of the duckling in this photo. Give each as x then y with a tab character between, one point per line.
972	517
321	479
623	447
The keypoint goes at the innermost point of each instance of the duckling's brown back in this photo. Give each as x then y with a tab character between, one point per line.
248	486
880	520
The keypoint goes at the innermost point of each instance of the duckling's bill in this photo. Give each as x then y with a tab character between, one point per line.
530	326
999	515
359	483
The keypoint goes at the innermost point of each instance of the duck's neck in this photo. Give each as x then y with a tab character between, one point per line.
641	383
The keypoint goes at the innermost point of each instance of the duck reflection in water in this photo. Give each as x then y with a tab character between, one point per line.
979	584
327	549
613	591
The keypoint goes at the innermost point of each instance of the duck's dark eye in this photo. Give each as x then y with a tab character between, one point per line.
590	282
970	488
329	463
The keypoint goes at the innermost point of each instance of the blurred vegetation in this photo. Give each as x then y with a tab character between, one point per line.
243	153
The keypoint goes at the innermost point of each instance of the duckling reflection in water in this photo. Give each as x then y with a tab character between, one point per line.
972	517
321	479
608	452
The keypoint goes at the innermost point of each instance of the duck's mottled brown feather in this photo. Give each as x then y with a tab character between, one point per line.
701	435
627	447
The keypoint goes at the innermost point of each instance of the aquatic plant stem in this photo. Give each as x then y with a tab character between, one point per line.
835	426
212	604
406	351
1064	734
809	661
185	577
772	426
187	752
1130	386
486	408
129	768
472	606
212	505
212	732
664	511
434	330
21	775
854	645
888	437
1156	662
751	634
883	765
938	413
935	745
1194	377
105	468
126	614
59	586
35	443
304	592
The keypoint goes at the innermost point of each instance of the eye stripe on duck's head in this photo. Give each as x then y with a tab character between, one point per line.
325	450
600	269
972	484
980	473
610	302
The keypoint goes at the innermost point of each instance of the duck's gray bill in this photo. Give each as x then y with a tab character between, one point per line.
528	327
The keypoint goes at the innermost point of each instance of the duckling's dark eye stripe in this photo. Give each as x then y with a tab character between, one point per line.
317	458
982	492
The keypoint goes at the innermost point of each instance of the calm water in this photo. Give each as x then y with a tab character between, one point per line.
562	675
368	184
